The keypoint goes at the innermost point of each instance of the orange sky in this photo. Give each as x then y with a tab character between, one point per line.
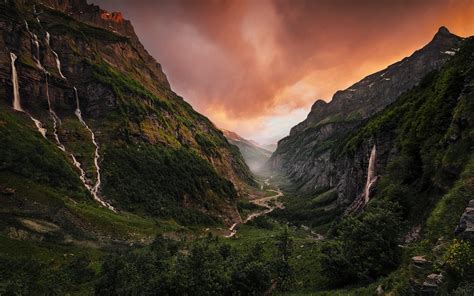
256	66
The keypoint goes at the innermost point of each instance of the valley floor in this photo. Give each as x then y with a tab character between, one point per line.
267	233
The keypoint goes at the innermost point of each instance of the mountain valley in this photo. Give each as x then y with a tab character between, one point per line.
112	184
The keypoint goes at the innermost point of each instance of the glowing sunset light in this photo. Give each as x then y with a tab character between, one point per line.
247	64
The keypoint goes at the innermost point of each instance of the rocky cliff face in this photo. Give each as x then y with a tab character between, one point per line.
380	89
107	109
112	21
309	155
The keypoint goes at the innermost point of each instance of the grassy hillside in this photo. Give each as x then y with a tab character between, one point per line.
159	157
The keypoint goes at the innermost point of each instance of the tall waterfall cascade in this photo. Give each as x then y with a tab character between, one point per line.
16	87
96	188
16	97
371	177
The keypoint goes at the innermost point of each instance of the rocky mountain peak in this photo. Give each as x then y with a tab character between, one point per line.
378	90
442	36
443	30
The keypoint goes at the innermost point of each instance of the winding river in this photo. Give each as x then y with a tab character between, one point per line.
270	203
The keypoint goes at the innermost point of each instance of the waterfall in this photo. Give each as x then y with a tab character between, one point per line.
16	87
34	40
39	126
54	117
96	188
371	178
27	27
16	97
82	176
58	62
36	57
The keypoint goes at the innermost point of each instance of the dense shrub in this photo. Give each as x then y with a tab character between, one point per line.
26	276
459	258
365	247
203	268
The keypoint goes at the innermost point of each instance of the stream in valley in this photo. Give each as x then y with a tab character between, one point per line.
270	203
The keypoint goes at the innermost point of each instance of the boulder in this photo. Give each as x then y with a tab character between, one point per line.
431	284
421	262
465	229
8	191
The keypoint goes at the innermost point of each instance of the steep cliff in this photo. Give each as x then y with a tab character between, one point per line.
97	119
412	152
306	154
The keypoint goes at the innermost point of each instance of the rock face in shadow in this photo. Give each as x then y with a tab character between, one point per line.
308	155
126	99
113	21
374	92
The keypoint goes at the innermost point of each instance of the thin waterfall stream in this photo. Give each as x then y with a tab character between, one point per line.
96	188
371	178
56	57
54	117
35	42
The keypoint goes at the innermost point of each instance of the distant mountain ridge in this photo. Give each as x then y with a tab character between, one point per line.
254	154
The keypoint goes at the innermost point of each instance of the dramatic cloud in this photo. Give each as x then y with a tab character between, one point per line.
256	66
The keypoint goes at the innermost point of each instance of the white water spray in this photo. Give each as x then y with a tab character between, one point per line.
34	40
58	64
39	126
56	57
37	52
96	188
371	178
27	27
16	87
16	97
54	117
82	172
